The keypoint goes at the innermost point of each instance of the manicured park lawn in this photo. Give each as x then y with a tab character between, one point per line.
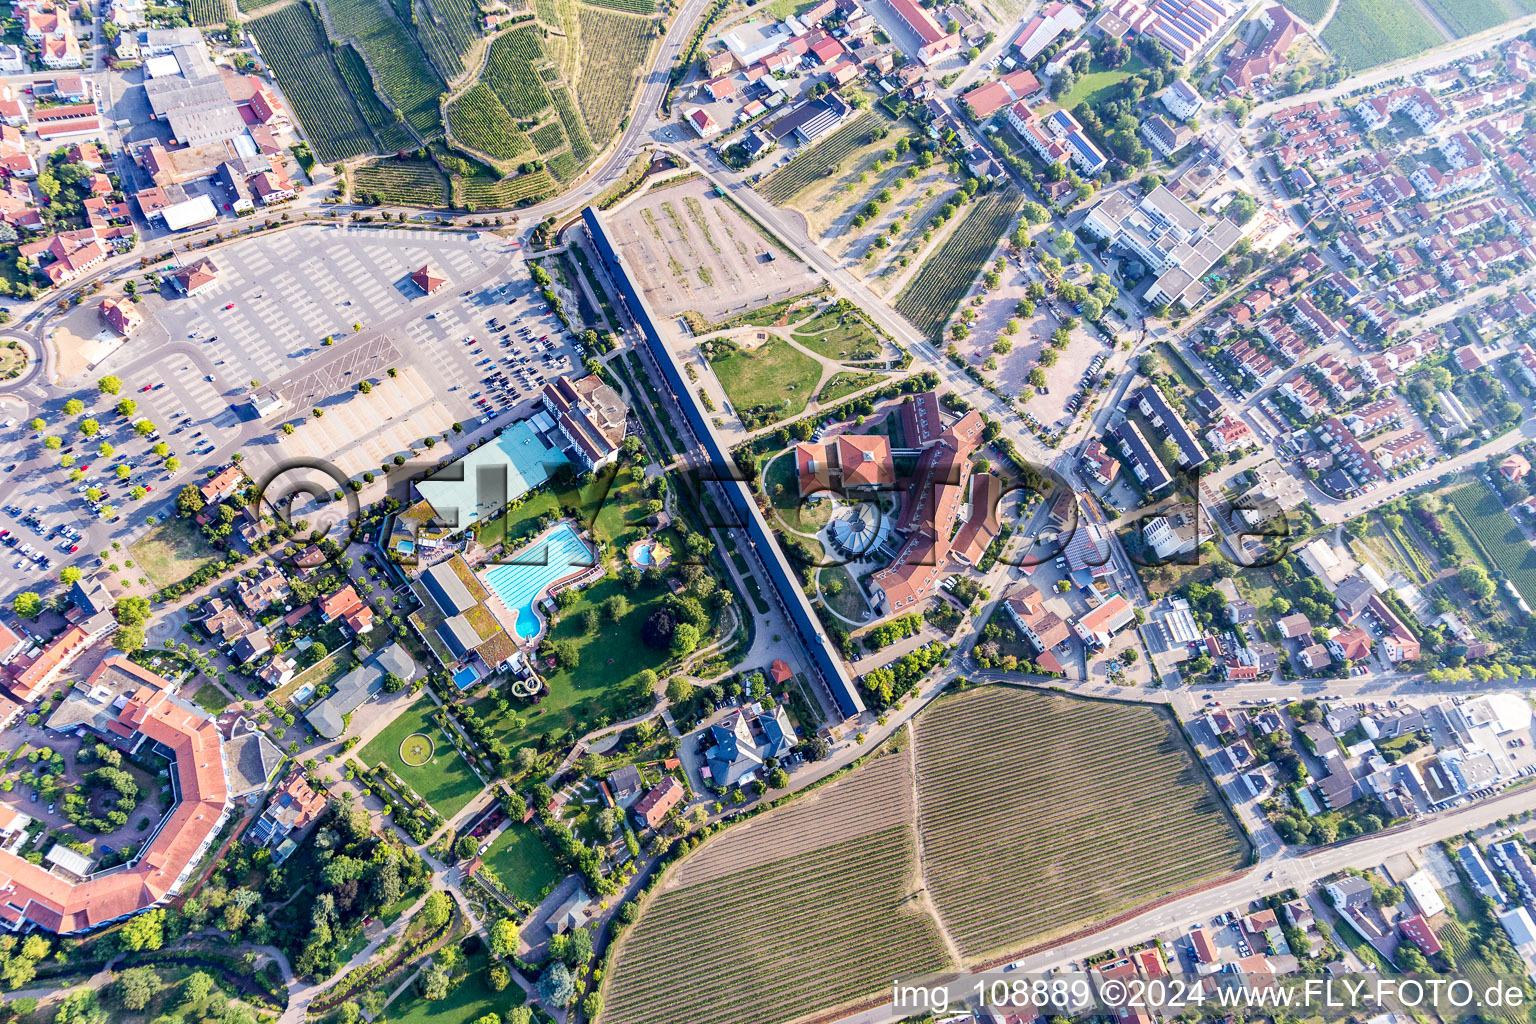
172	551
1099	80
522	862
470	999
445	781
775	376
839	335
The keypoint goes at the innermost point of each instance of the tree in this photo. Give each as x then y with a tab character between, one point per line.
132	611
109	385
498	978
685	639
437	909
658	629
135	987
27	605
90	428
679	690
143	428
393	683
1475	581
73	407
504	937
818	748
127	407
466	847
69	575
145	931
1063	83
364	386
190	501
128	639
436	980
778	779
80	1007
196	988
608	822
557	987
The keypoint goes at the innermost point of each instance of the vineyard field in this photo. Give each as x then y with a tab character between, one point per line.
614	51
817	161
631	6
581	143
1468	17
1103	801
448	30
252	6
509	72
478	120
1499	535
486	194
783	914
210	12
946	275
548	138
391	132
401	183
294	45
401	69
1367	33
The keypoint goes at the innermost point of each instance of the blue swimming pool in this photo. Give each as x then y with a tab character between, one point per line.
558	553
405	546
643	554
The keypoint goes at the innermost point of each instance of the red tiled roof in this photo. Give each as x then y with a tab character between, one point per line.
344	602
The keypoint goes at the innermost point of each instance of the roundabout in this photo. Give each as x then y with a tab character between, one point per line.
417	749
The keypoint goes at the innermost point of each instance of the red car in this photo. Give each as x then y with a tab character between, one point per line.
146	387
73	548
229	307
149	487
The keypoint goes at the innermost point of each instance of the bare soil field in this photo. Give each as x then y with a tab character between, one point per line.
692	250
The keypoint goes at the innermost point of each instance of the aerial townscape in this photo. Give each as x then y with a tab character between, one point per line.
766	511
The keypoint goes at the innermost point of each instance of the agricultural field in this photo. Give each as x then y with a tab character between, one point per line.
817	162
511	73
481	193
401	69
1467	17
1309	11
1367	33
210	12
771	382
292	42
614	51
172	551
581	143
941	282
448	30
1103	801
478	120
1499	535
445	781
392	134
806	907
400	183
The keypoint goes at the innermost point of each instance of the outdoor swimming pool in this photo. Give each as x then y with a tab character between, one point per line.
643	554
558	553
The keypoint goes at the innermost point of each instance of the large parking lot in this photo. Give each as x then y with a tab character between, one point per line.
190	366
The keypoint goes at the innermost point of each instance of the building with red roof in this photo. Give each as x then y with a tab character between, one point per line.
121	315
651	810
130	707
935	41
1417	930
28	673
339	605
428	279
990	97
780	671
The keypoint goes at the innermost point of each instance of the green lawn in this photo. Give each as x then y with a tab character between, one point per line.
1310	10
523	863
445	782
1099	80
1365	33
172	551
772	382
211	699
469	1000
838	335
846	383
606	660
